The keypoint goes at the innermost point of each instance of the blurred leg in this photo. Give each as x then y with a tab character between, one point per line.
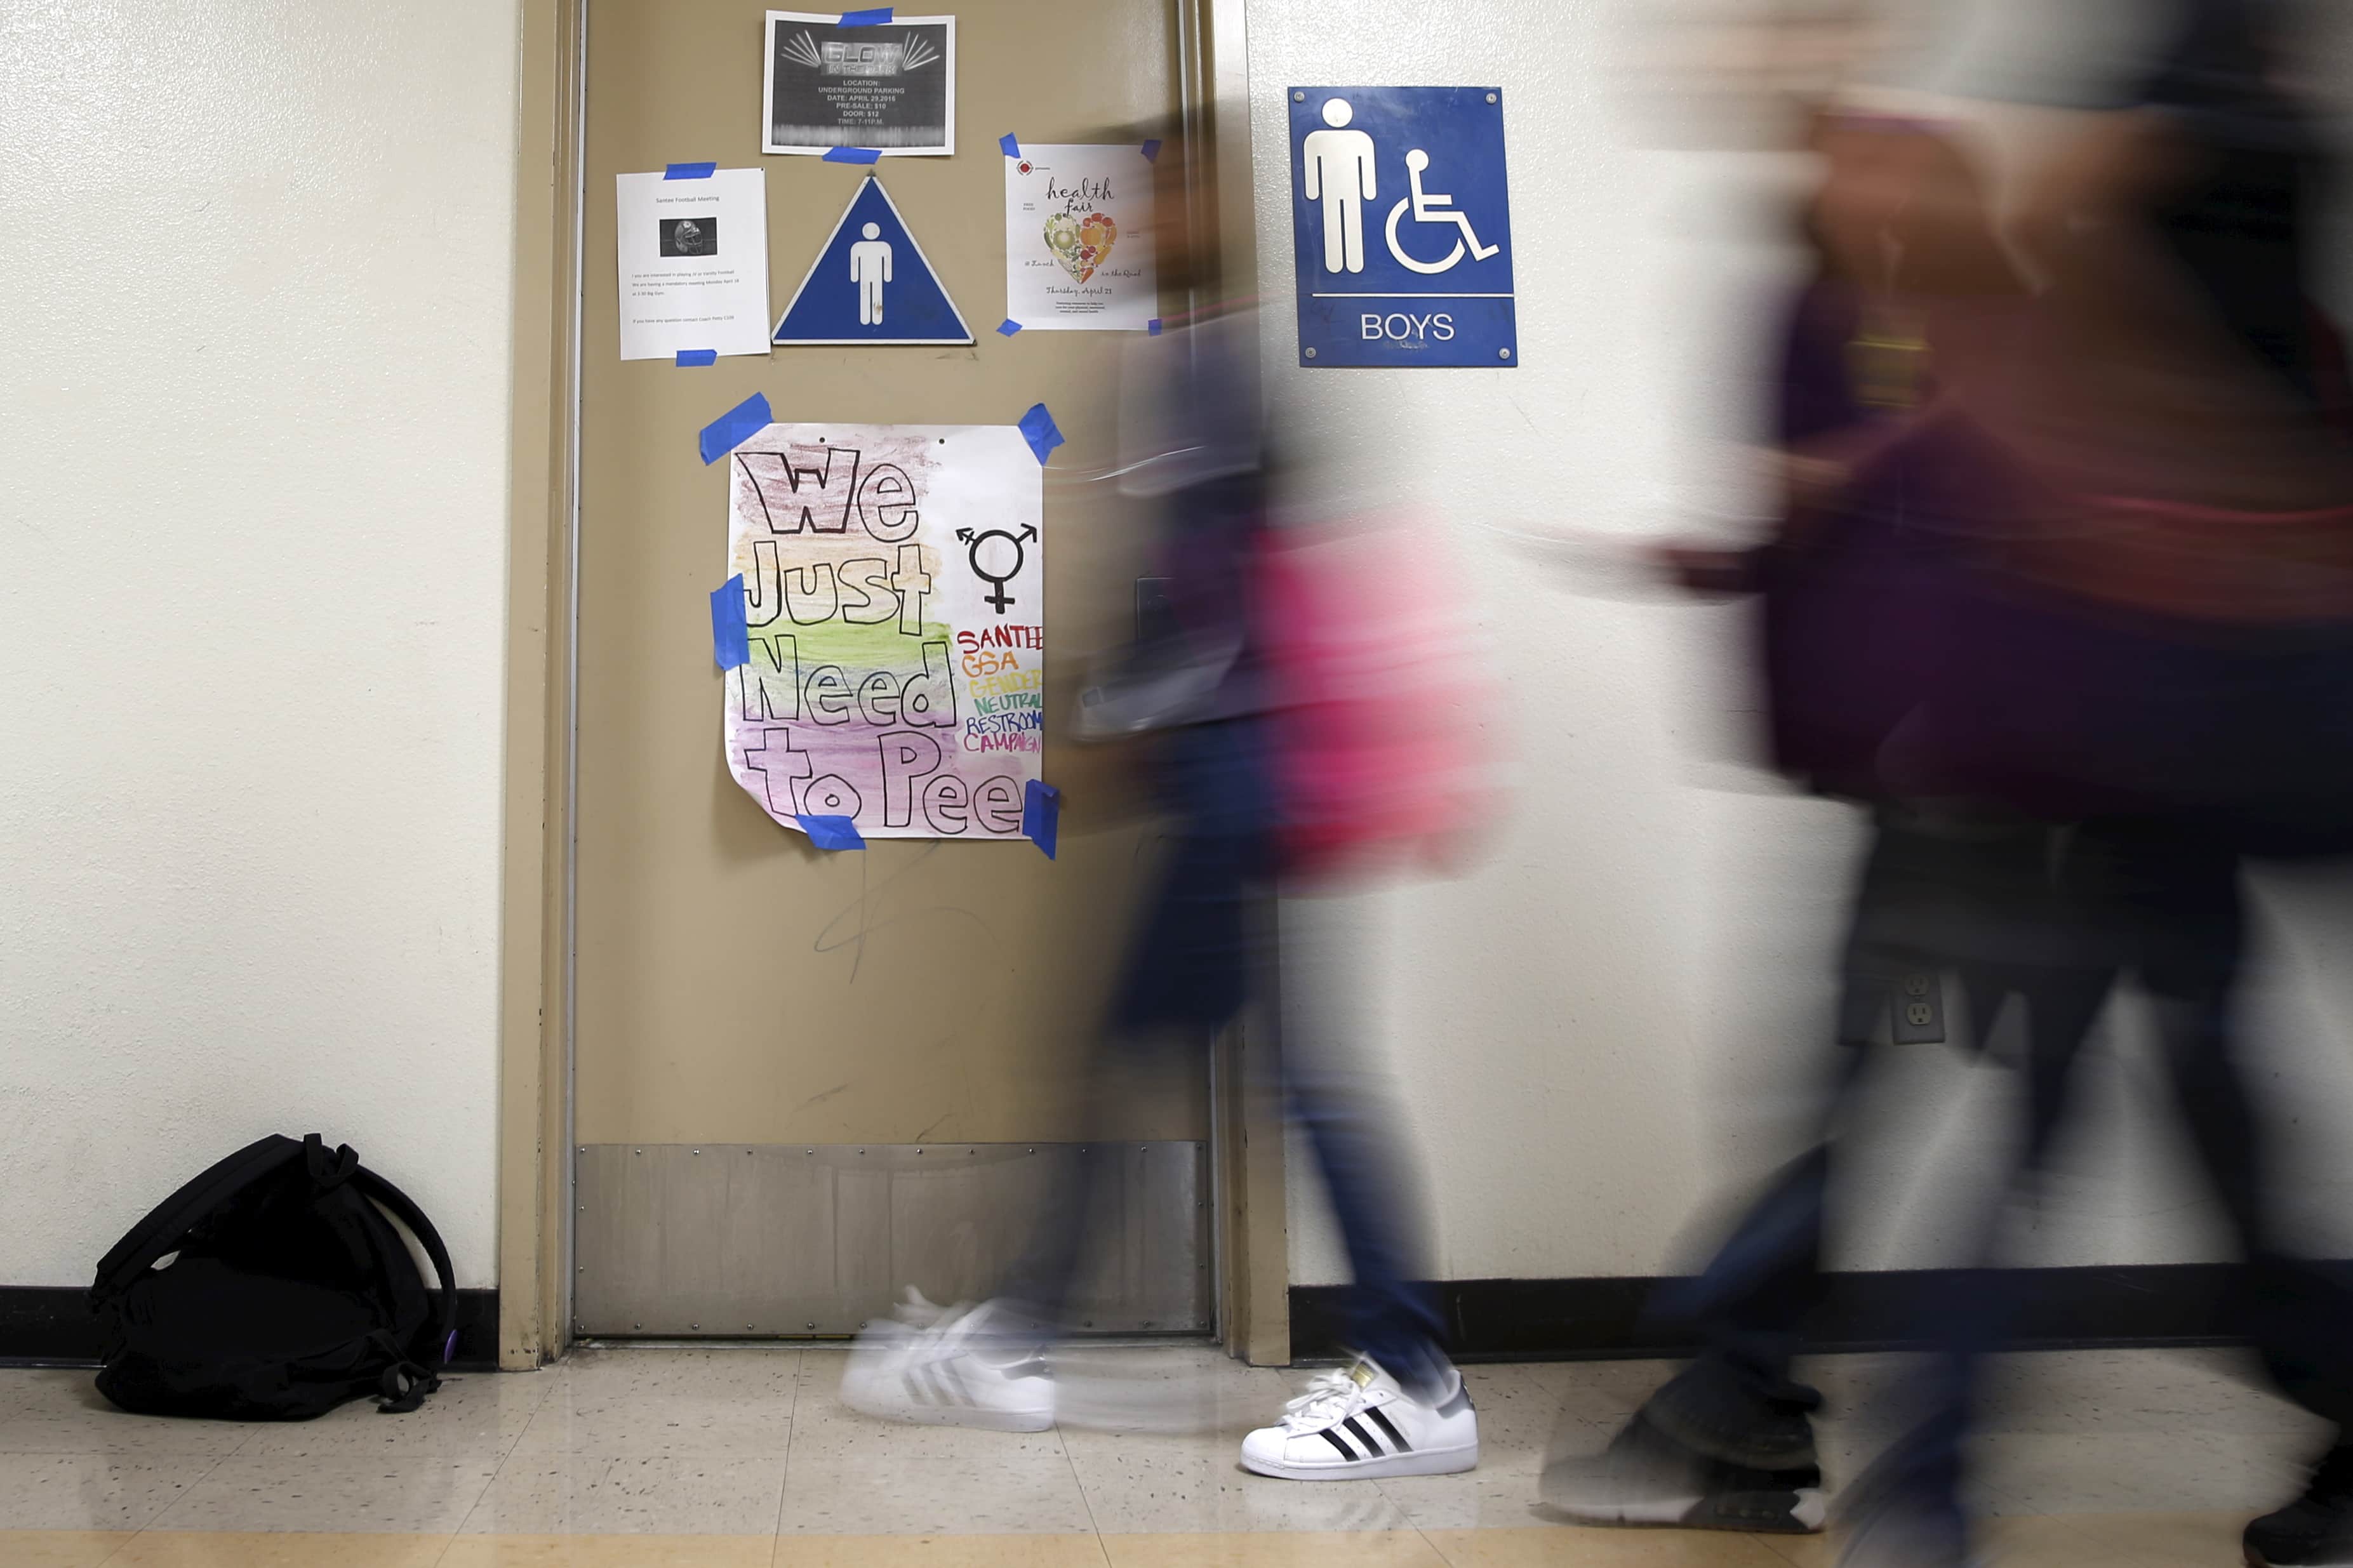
1184	978
1751	1301
1728	1444
1921	1472
1187	971
2186	893
1992	902
1359	1142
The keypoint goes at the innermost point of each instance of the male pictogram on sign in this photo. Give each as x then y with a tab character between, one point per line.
1422	168
1340	174
870	268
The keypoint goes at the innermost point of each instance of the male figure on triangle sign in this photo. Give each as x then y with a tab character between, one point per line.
870	268
871	283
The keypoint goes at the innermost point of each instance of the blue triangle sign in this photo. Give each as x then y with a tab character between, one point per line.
871	284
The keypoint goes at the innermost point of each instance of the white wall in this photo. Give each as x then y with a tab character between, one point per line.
253	433
1597	1037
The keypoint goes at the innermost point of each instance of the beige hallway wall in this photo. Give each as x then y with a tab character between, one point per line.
253	533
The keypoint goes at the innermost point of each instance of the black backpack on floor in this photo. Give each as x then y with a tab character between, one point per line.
289	1293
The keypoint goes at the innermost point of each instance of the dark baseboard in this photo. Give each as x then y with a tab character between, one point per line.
1596	1319
1513	1319
51	1326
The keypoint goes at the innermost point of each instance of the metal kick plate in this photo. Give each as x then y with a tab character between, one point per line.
726	1240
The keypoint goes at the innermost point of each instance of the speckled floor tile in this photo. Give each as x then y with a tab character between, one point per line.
586	1494
94	1491
1009	1493
337	1494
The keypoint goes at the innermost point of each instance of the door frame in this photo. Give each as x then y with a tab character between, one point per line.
535	883
536	1205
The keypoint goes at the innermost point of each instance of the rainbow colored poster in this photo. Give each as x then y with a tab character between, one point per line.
894	598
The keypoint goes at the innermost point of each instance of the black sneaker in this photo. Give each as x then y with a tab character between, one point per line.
2315	1529
1714	1411
1647	1477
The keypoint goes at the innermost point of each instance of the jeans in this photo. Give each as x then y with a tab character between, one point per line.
1201	951
2054	920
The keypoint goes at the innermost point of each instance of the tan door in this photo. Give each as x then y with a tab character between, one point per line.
780	1122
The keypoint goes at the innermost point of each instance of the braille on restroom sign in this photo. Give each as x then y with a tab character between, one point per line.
1401	226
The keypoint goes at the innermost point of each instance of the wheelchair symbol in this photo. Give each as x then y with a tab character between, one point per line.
997	559
1433	208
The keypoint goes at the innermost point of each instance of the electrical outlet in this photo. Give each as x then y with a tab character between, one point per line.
1156	618
1919	1009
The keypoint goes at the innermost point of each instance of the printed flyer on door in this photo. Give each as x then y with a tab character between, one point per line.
1078	239
693	261
887	84
894	594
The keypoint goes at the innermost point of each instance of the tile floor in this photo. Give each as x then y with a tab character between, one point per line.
745	1458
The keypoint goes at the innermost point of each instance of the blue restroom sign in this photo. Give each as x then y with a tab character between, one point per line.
871	283
1401	226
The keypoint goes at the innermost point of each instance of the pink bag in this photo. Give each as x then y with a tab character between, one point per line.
1382	754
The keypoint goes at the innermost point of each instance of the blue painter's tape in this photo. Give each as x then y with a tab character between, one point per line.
690	171
1008	326
731	639
874	17
735	427
1012	148
832	831
851	155
687	357
1041	815
1152	150
1039	429
1152	328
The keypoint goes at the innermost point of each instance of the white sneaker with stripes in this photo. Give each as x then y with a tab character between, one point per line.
1356	1423
944	1367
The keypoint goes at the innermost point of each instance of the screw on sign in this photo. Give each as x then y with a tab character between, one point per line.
997	558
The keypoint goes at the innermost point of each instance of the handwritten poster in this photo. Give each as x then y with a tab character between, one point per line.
1078	239
894	593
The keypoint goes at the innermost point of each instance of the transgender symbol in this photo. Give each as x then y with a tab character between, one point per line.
996	565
